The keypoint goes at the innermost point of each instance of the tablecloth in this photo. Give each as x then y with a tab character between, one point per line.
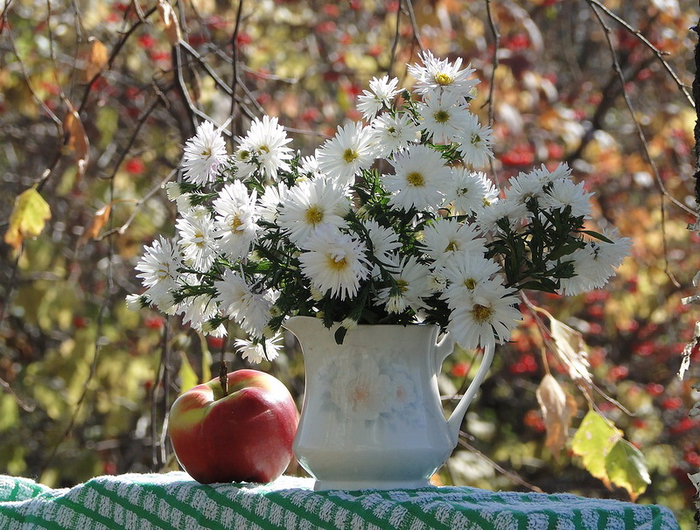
173	501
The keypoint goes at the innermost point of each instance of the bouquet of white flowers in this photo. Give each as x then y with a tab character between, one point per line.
389	221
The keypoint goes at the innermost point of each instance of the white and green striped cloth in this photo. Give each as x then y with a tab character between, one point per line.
174	501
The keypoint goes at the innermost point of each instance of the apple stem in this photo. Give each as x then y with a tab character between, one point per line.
223	376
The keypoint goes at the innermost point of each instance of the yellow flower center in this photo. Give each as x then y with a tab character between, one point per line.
441	116
337	264
349	155
235	223
244	155
475	139
415	179
482	313
402	285
206	152
264	149
199	239
314	215
470	283
452	246
443	79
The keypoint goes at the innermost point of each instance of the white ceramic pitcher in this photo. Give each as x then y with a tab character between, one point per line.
372	415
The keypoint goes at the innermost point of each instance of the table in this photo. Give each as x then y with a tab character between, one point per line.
174	501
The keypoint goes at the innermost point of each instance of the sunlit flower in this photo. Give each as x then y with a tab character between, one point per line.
350	150
409	288
311	204
596	263
485	317
393	133
514	213
258	350
444	117
203	155
443	238
197	238
565	194
380	95
236	219
384	241
158	270
197	311
334	262
467	191
440	76
266	141
419	180
464	274
270	202
475	142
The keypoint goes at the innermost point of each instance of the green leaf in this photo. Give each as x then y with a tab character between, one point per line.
188	377
627	468
593	441
28	217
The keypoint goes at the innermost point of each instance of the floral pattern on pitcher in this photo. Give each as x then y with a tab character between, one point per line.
363	388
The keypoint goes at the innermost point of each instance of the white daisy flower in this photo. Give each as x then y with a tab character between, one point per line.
197	311
267	141
444	117
258	350
271	200
309	165
230	291
420	178
440	75
475	142
488	217
384	242
203	154
334	262
158	269
349	151
393	133
467	191
380	95
197	238
240	302
485	317
236	220
410	289
443	238
464	274
565	193
310	204
596	263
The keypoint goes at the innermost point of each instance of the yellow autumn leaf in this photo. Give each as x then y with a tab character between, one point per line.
97	59
76	141
28	217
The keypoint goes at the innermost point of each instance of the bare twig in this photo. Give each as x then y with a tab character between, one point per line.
645	146
414	24
395	42
234	69
658	53
696	130
494	60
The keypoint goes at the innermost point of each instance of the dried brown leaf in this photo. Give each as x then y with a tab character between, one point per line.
98	223
571	350
170	23
557	408
97	59
76	141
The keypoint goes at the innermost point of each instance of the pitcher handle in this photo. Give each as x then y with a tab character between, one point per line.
444	348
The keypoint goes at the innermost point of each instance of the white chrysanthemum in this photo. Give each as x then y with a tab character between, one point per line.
308	165
565	193
444	117
475	142
443	238
238	301
384	241
484	317
380	95
271	200
596	263
488	217
310	204
267	142
197	311
464	274
349	151
158	269
204	152
544	176
334	262
420	179
410	288
393	133
236	220
440	75
197	238
256	351
467	191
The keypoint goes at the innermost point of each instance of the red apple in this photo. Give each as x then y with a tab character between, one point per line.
246	435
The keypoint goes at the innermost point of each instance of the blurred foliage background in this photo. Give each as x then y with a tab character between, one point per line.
98	98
